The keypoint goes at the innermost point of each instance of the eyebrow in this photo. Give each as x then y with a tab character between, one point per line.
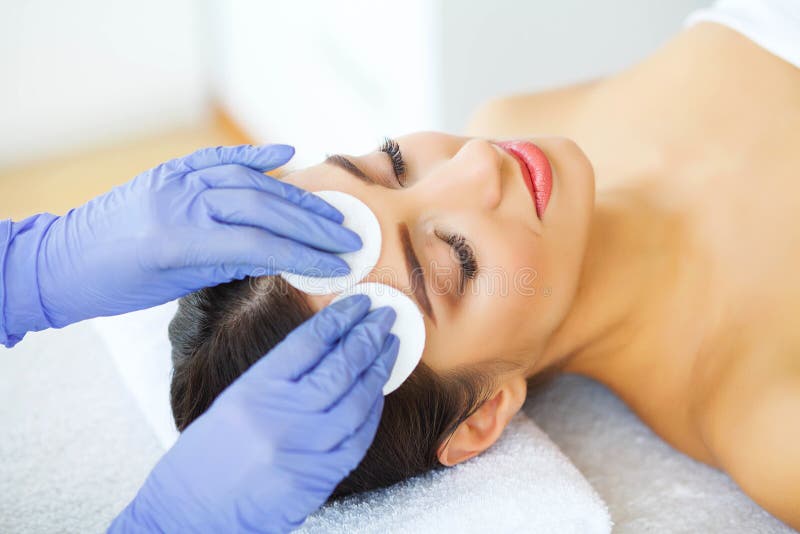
347	165
415	274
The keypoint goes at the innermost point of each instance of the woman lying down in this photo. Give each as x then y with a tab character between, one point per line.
662	262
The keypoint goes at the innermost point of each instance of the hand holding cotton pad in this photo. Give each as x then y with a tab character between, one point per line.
409	327
360	219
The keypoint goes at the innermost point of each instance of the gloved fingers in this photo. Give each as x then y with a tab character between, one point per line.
238	251
240	177
307	344
343	419
261	158
350	451
337	373
280	217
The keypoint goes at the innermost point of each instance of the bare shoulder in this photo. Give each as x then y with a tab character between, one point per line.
522	115
757	442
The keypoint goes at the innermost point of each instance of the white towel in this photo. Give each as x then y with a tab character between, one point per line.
76	448
141	351
521	484
648	485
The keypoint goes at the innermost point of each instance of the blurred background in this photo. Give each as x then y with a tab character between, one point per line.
95	91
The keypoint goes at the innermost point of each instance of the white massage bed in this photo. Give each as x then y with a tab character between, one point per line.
76	447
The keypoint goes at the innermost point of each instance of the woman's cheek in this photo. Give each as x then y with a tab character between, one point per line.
525	265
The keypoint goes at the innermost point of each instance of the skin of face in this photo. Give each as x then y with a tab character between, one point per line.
527	269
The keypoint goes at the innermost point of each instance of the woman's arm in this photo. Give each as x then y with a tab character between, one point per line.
759	447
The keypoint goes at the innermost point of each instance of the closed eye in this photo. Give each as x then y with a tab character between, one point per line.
392	149
465	255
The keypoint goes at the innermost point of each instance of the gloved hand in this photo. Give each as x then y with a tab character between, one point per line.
274	445
189	223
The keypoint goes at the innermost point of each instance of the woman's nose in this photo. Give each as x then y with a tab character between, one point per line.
476	174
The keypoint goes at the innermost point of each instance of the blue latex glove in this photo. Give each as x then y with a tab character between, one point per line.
274	445
189	223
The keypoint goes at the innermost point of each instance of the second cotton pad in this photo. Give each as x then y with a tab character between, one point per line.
409	327
360	219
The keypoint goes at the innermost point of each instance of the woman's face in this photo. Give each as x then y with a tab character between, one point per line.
462	237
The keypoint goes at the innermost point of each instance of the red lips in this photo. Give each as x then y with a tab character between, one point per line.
536	171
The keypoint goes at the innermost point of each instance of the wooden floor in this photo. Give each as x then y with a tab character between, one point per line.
57	184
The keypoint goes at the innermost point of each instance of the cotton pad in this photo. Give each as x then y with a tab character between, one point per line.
360	219
409	327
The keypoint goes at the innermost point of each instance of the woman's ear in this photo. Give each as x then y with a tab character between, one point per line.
480	430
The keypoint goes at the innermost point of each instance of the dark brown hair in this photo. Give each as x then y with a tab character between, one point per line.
219	332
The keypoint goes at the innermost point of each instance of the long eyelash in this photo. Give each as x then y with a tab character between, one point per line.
463	251
391	148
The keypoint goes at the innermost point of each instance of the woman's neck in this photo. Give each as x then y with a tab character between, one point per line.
645	288
642	281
